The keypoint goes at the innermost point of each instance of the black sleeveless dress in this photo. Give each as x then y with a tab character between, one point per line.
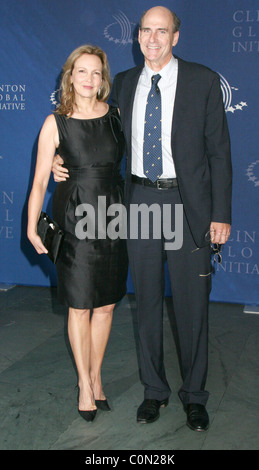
92	266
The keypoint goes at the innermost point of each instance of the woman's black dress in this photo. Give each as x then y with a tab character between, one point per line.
92	267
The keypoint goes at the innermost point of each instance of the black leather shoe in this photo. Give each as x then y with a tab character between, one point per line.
148	412
197	417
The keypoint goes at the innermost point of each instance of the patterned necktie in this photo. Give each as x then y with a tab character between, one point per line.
152	147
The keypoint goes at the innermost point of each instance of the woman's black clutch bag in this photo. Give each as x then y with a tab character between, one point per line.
51	235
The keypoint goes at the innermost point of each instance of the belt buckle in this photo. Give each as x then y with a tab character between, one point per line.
158	184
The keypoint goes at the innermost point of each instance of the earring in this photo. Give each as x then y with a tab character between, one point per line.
99	92
70	89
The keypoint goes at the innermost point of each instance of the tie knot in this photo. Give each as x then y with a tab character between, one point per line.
155	79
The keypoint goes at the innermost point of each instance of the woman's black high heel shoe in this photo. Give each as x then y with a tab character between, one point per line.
88	415
102	405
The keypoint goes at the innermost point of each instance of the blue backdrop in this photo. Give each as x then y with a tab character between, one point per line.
38	35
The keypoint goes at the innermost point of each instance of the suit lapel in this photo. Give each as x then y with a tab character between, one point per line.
129	94
181	95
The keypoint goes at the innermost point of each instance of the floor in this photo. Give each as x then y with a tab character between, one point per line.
38	398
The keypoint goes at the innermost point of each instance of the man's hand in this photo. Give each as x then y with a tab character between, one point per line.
59	172
219	232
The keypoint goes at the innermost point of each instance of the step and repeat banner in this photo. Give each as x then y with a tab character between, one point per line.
36	38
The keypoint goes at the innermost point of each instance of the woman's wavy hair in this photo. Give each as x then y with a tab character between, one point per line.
67	99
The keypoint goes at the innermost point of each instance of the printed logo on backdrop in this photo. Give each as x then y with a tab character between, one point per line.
12	97
6	213
120	31
228	96
252	173
54	97
240	254
245	31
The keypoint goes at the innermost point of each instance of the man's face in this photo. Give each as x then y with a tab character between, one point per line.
156	37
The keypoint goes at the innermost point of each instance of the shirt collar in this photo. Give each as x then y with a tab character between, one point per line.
167	72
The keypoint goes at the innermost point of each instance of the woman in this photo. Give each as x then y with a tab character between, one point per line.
91	271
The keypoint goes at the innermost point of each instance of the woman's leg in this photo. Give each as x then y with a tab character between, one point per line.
79	332
101	322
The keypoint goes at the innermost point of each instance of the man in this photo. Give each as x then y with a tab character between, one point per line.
193	145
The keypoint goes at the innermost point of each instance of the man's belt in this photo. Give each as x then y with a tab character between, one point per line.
163	183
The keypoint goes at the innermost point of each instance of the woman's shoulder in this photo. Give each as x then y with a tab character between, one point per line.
49	123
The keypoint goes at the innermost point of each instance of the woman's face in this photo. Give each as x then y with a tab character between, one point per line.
87	75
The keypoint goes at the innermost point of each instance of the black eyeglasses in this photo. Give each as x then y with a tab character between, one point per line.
216	257
215	249
216	252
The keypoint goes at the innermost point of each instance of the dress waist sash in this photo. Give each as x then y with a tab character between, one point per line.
110	173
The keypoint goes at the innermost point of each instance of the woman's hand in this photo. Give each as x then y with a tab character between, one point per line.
37	243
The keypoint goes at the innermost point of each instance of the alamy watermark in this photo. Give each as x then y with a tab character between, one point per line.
92	225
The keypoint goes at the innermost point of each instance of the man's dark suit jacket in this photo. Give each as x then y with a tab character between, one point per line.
200	143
